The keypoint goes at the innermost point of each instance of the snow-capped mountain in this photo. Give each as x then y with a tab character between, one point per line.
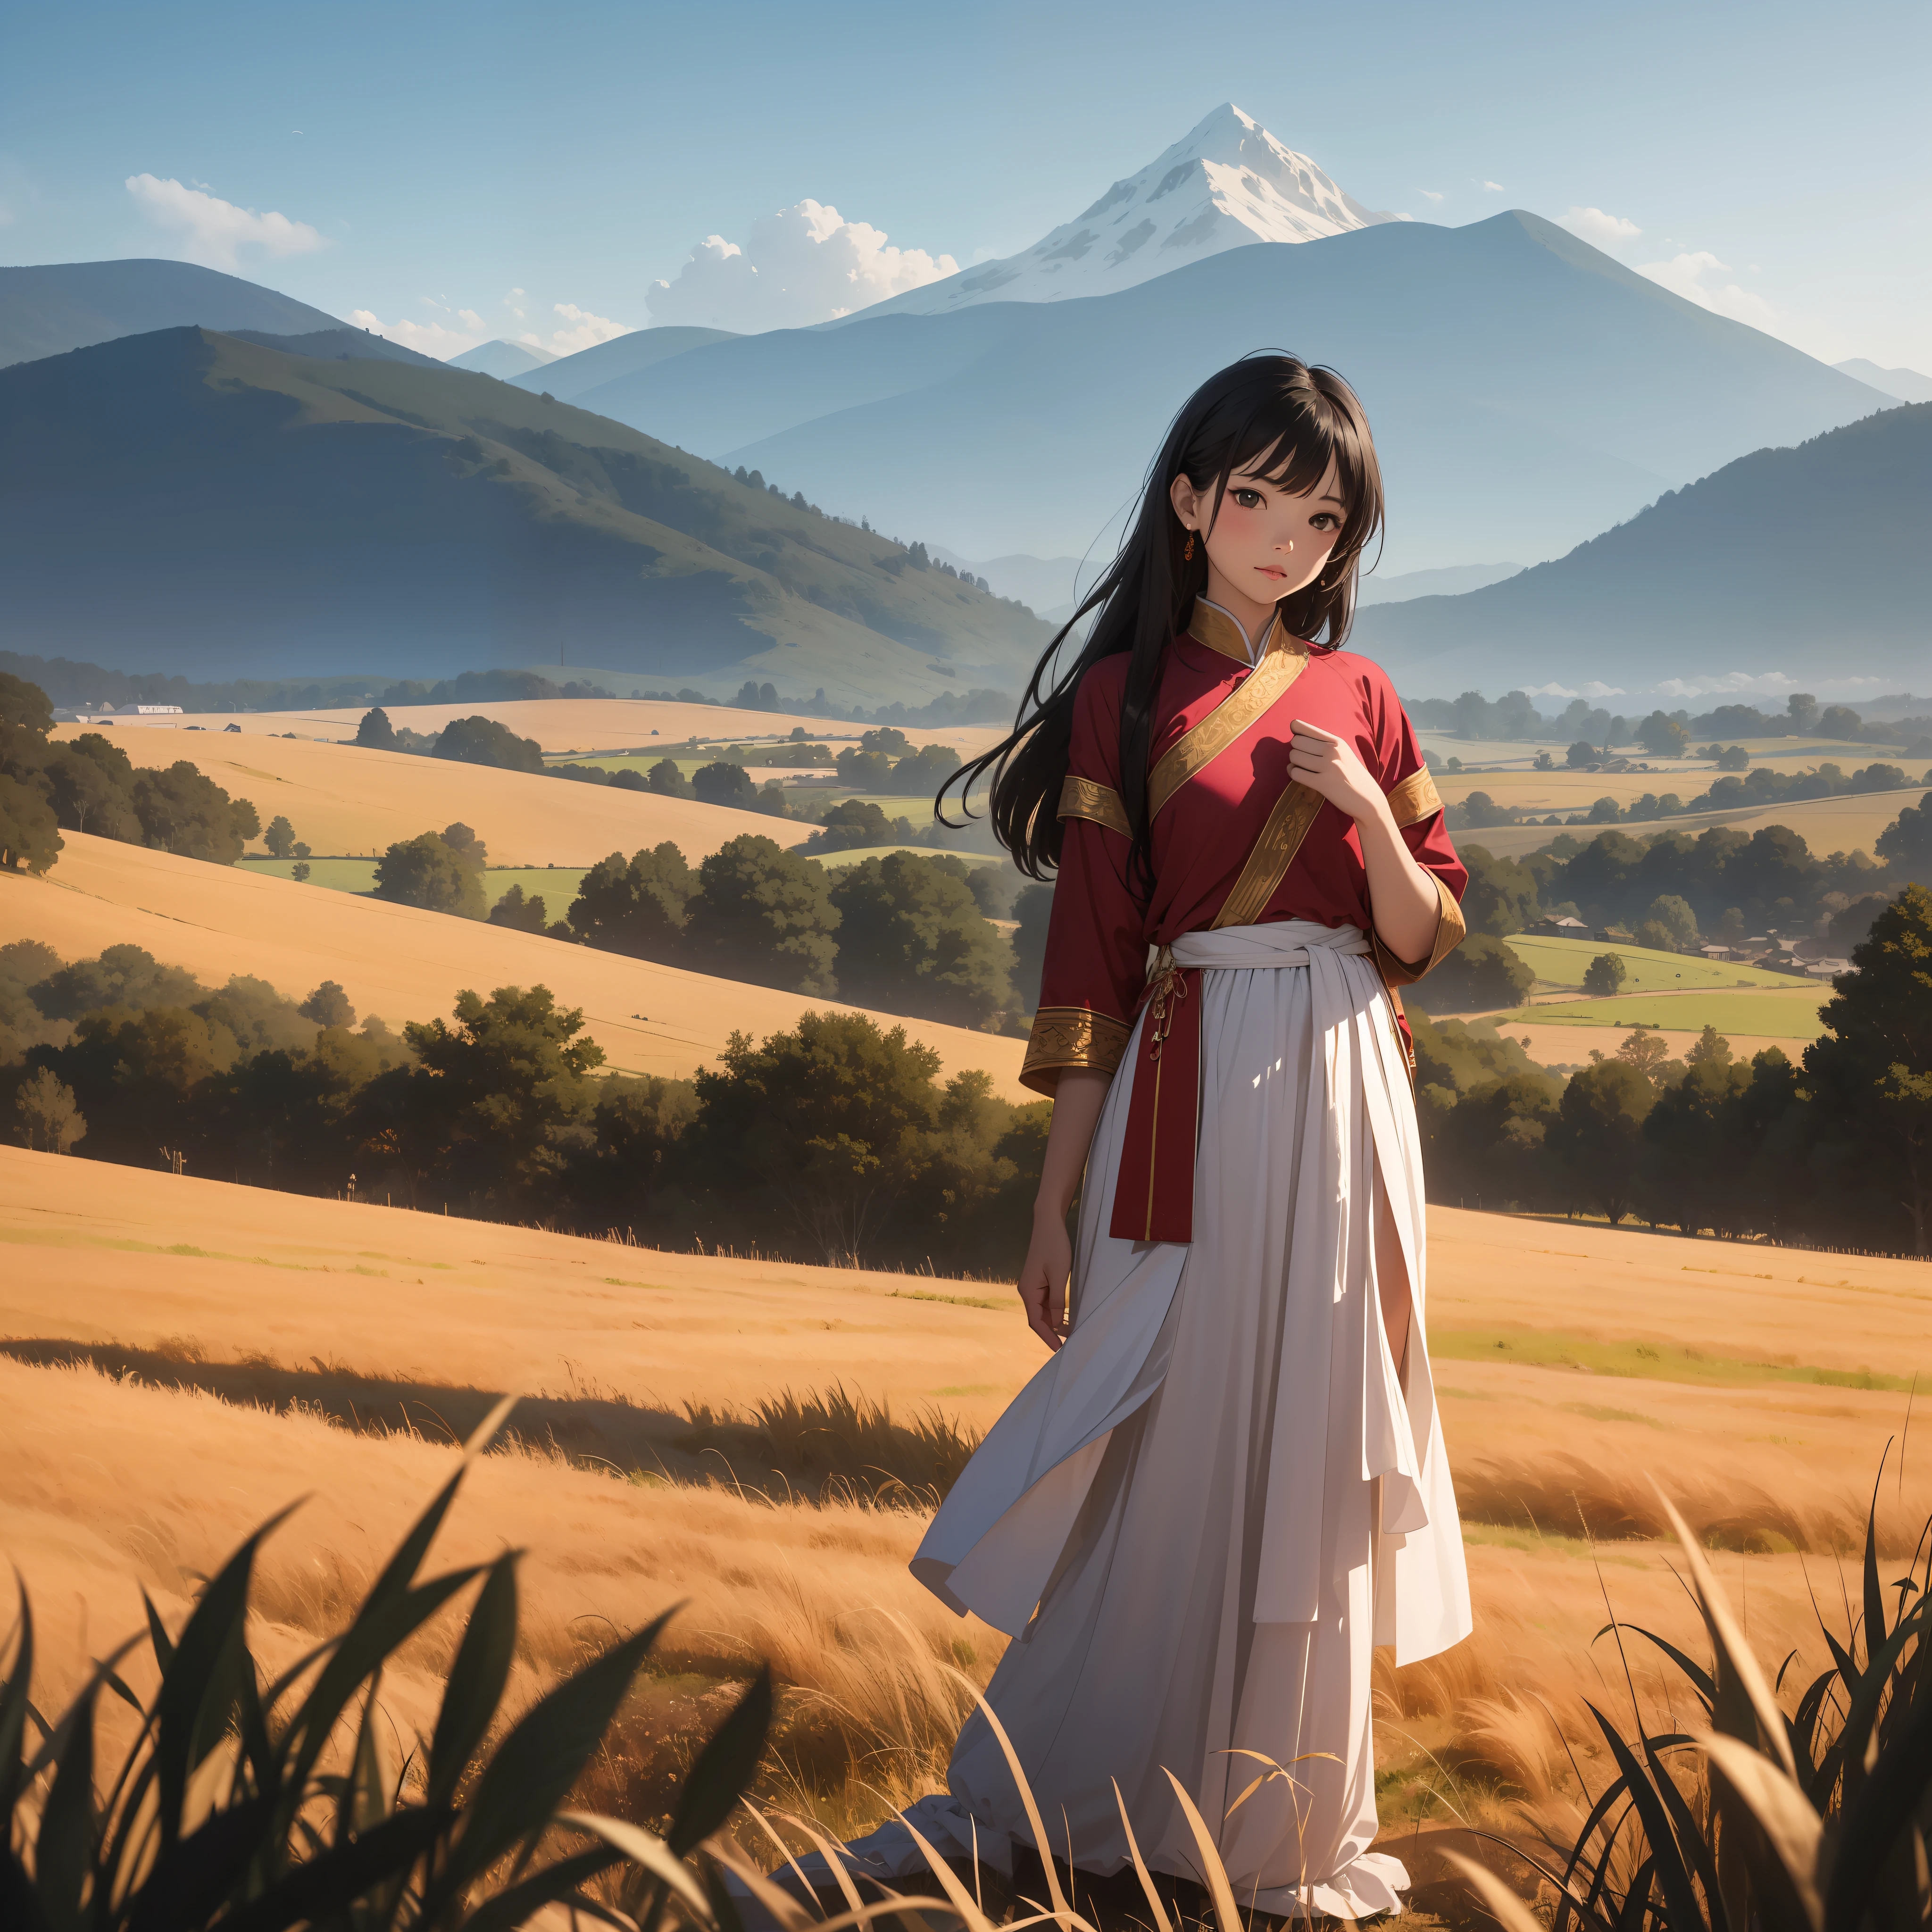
1227	184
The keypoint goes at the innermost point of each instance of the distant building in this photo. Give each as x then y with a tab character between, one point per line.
1559	928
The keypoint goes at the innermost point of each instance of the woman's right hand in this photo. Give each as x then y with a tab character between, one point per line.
1043	1279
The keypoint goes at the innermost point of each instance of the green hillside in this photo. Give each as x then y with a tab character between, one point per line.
228	510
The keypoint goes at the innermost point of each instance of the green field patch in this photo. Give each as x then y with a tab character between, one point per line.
833	861
1563	962
334	875
1597	1413
1640	1361
1780	1015
957	1300
1538	1543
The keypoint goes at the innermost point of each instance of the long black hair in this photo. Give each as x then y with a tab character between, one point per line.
1266	409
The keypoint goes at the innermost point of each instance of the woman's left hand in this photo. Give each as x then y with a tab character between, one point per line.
1331	769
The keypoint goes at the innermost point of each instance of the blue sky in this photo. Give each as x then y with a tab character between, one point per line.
427	160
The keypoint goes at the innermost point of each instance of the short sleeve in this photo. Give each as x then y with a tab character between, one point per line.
1423	822
1096	964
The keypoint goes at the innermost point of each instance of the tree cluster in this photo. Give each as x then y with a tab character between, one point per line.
1835	1150
834	1140
90	785
1762	787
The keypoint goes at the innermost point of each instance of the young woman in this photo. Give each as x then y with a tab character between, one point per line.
1227	1483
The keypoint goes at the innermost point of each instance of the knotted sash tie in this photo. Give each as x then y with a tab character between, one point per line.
1153	1197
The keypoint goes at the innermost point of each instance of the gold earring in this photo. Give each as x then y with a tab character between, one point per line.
1187	549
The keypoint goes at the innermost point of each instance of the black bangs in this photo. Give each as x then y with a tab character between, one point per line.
1273	415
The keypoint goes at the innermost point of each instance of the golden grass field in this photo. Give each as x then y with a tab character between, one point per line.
344	799
1759	1386
566	724
1849	824
405	963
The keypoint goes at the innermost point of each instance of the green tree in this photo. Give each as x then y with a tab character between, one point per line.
1596	1140
88	792
1711	1049
1604	975
1662	736
723	783
124	976
912	940
298	871
636	1128
375	731
1501	896
1671	914
484	1108
920	774
520	913
1482	975
667	779
1906	843
635	907
183	811
1032	911
279	838
1872	1070
1733	758
29	836
478	740
864	770
328	1006
50	1120
814	1135
1801	709
1581	754
762	913
427	870
850	825
24	707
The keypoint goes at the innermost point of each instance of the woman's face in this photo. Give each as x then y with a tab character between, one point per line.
1265	544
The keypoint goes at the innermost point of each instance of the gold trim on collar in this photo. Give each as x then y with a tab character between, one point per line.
1257	693
1065	1036
1220	630
1082	798
1415	800
1270	856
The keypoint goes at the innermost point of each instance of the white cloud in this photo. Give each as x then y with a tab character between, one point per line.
214	231
803	265
1761	684
1493	187
511	301
1605	230
1692	276
1429	194
585	330
427	338
1593	691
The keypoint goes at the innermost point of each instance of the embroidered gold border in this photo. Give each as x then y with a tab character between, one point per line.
1065	1036
1415	800
1451	929
1082	798
1270	856
1263	687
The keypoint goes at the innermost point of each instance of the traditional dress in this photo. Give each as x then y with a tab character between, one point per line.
1202	1514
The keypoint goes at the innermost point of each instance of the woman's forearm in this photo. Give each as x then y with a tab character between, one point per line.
1407	907
1077	1101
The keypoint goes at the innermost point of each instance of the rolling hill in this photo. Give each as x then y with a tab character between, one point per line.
503	359
1811	561
571	378
1526	391
53	306
228	509
406	964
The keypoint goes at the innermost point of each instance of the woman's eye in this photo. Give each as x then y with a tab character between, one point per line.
1323	521
1248	499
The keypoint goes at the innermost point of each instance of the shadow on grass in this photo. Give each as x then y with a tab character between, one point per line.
821	1446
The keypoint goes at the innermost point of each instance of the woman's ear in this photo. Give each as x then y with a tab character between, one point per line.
1185	500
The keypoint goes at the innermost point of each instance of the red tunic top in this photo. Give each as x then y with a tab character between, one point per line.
1218	766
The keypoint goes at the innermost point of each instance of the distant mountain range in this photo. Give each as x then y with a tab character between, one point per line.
577	378
1907	385
504	359
1526	392
47	309
220	509
1225	184
1811	561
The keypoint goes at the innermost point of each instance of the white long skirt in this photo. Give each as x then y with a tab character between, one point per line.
1200	1515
